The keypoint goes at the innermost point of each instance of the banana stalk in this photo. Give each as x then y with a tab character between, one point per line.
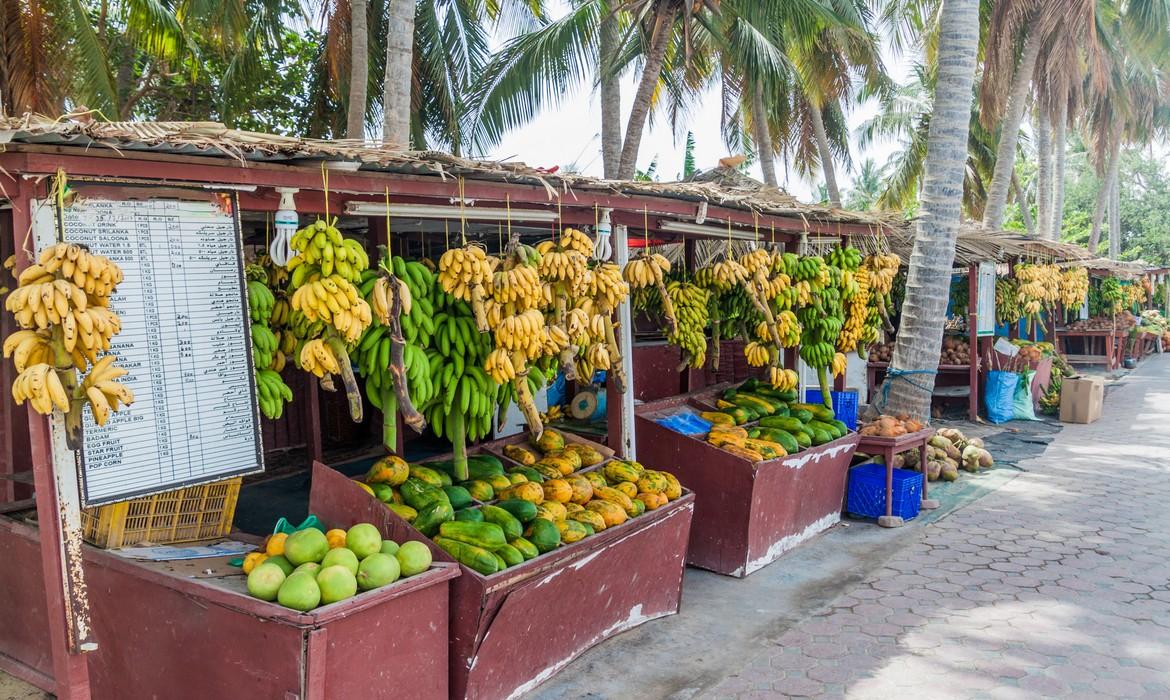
756	295
61	358
568	356
352	394
478	308
884	313
389	420
667	307
823	380
617	369
457	426
715	328
524	398
404	405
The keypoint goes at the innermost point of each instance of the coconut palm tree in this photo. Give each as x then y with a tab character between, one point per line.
359	66
911	381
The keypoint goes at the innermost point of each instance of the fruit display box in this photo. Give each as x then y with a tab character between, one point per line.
747	514
515	629
189	630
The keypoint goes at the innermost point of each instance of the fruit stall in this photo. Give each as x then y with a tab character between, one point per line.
1004	285
247	304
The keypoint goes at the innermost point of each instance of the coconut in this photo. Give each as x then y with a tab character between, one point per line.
910	459
985	459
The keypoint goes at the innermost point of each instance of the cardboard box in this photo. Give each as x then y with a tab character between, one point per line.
1081	399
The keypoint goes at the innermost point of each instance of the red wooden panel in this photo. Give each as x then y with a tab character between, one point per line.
24	624
656	372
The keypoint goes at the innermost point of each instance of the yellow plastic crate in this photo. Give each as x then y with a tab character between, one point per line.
185	515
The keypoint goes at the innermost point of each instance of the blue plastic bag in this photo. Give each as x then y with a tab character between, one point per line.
999	395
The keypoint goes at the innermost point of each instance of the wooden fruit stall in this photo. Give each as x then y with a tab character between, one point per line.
190	630
746	514
515	629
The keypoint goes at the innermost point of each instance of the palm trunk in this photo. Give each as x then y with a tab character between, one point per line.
929	276
359	70
1060	133
1009	133
611	99
1103	191
1043	175
826	155
397	82
1114	214
763	137
651	71
1025	208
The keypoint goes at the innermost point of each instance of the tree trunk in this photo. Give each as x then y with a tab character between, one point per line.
1059	141
762	136
359	70
651	72
399	62
1043	175
826	155
1115	213
929	277
1009	134
1103	191
611	98
1025	208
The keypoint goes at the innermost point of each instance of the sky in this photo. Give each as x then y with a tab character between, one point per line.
569	133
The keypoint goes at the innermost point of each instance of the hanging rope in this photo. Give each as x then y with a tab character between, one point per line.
894	374
462	213
325	187
388	248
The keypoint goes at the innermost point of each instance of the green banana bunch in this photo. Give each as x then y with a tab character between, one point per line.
272	393
808	268
690	310
260	302
465	397
264	345
321	245
845	258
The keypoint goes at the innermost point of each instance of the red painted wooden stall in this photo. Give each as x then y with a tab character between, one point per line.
515	629
747	514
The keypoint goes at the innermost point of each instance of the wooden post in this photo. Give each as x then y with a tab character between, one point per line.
621	410
70	669
973	341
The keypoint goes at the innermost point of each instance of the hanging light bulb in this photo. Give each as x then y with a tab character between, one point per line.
286	224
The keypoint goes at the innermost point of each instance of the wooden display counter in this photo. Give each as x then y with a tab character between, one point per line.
515	629
180	630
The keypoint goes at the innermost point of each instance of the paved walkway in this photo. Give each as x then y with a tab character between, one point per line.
1055	585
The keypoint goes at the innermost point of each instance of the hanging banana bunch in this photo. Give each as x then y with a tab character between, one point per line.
465	273
649	270
61	304
883	268
322	281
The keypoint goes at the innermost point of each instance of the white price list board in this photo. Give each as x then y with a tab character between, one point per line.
185	340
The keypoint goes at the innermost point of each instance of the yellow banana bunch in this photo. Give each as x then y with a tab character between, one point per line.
335	301
318	358
1074	286
465	270
882	269
646	270
839	364
579	241
758	259
598	356
854	330
518	285
499	367
789	328
778	285
524	333
28	348
783	379
561	265
384	295
804	292
605	284
757	354
96	275
555	340
103	393
40	385
730	273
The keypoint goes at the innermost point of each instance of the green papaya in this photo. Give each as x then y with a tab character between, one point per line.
529	473
470	515
525	547
544	534
782	422
486	534
431	476
484	467
827	427
524	511
503	519
783	437
419	494
471	556
432	516
510	554
800	414
459	496
479	490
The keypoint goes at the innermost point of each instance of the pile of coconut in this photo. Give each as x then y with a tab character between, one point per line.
947	452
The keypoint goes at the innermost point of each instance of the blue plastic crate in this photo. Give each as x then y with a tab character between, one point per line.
867	492
844	404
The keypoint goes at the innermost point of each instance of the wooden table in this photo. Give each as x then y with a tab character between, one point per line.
1107	341
887	447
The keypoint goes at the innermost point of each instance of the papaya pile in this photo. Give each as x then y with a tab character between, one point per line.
534	518
310	568
758	422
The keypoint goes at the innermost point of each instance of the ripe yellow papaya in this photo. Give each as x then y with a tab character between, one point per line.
612	513
557	490
582	489
617	471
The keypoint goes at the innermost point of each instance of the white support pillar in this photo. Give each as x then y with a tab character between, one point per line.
621	256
